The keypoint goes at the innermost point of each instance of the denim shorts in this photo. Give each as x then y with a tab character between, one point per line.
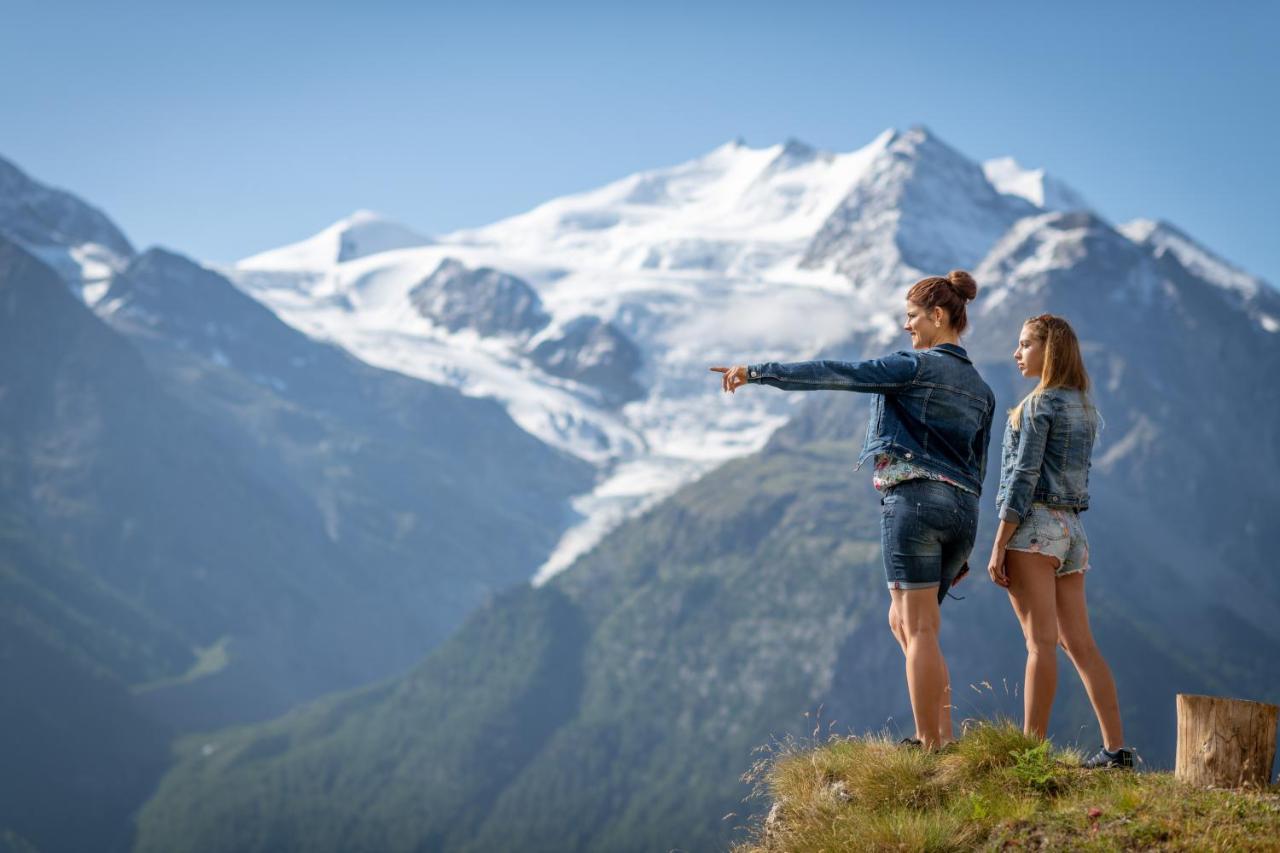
1056	532
927	529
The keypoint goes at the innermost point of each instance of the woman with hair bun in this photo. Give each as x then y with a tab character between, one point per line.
1041	554
930	425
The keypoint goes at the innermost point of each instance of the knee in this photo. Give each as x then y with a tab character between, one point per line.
896	627
1079	647
919	628
1042	640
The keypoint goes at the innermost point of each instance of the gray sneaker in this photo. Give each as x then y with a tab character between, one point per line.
1105	758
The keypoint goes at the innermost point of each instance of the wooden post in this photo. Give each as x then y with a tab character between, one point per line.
1225	743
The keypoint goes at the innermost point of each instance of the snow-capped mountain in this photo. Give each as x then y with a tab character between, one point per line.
741	254
1037	187
74	238
361	234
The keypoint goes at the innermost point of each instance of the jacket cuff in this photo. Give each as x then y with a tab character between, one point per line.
754	372
1009	514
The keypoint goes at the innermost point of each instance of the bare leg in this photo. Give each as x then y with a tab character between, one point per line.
900	634
947	732
926	671
1032	593
1077	639
895	624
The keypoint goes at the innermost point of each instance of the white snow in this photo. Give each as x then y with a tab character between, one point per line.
699	265
1163	237
1034	185
696	263
359	235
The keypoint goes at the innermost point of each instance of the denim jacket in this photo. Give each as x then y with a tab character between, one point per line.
1047	459
930	407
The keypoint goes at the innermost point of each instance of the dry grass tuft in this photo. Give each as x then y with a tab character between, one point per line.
997	787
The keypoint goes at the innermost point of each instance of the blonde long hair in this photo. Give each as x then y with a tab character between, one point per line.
1063	364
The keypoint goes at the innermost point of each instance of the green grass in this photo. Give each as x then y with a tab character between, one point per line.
209	661
998	788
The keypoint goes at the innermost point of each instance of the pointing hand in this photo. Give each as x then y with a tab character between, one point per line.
733	377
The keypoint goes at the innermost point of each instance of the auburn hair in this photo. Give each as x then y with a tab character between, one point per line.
949	292
1063	364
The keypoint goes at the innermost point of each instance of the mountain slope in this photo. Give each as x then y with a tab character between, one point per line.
716	618
76	239
427	499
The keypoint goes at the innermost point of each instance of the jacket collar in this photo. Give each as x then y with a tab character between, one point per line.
955	349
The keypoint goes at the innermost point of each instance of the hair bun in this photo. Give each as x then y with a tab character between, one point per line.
963	283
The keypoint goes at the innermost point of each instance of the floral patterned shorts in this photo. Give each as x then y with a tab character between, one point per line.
1055	532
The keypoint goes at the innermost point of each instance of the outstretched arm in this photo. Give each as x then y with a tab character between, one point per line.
885	375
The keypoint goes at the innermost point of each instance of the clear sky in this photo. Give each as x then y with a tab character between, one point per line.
222	129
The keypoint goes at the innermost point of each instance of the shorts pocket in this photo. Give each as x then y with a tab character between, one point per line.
1050	528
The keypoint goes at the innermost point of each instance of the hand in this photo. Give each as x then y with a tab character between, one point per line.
733	377
997	568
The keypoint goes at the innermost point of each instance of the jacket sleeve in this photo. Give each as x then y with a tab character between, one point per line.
1037	420
885	375
984	442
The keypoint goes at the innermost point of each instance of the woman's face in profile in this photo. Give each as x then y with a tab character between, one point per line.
1029	354
920	326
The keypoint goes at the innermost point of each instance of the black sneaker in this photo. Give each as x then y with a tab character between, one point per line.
911	743
1105	758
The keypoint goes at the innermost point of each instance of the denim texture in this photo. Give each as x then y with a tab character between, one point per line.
930	407
927	530
1047	459
1054	532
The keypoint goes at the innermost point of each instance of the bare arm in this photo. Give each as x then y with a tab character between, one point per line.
996	568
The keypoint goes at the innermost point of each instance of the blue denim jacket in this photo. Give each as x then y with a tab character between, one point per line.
1047	459
930	407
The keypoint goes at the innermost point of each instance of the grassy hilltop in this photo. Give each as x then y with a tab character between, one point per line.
998	789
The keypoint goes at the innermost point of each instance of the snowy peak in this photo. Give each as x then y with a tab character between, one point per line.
35	213
1039	247
1161	237
359	235
165	290
920	207
733	210
75	238
1034	185
794	154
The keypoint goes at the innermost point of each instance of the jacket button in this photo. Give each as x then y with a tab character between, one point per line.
908	454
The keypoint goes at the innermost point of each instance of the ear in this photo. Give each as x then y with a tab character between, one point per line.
939	315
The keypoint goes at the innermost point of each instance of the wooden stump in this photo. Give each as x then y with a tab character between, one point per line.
1225	743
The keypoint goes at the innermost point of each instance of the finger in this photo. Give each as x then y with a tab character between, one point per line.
721	369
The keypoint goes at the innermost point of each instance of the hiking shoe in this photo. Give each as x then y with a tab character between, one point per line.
911	743
1105	758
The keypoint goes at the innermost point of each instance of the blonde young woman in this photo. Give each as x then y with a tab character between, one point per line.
1040	554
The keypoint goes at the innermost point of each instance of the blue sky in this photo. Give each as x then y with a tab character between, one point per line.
220	130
